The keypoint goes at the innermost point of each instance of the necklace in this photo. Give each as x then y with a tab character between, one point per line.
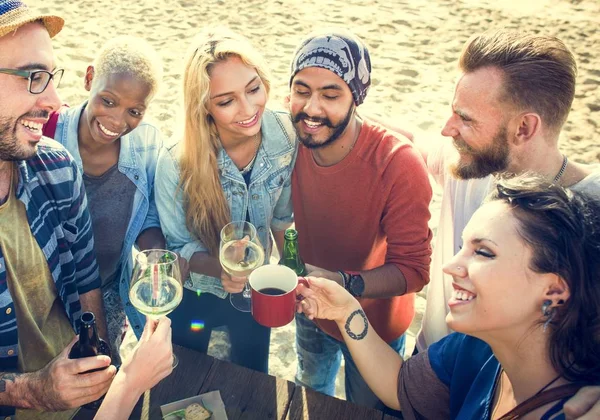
562	169
250	164
499	386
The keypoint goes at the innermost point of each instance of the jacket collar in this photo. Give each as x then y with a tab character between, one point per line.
269	149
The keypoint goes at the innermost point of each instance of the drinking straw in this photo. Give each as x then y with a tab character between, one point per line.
154	286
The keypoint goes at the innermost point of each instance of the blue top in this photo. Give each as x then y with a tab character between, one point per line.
51	188
467	366
267	198
137	160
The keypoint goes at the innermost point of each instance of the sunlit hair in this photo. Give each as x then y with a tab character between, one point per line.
539	71
130	55
206	208
562	229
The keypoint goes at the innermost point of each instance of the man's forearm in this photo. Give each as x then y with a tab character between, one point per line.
384	282
151	238
381	282
92	302
203	263
15	390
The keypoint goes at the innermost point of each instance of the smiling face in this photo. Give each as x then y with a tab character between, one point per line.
322	106
478	125
237	99
495	291
22	114
116	106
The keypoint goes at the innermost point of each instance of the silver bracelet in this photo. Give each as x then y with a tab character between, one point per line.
341	273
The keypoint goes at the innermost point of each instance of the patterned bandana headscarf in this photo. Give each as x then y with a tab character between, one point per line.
340	52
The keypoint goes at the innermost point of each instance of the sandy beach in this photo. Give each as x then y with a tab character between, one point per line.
414	45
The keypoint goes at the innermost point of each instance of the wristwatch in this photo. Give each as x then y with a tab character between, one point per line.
355	285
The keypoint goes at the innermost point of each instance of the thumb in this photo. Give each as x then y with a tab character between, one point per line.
317	282
163	329
148	329
65	353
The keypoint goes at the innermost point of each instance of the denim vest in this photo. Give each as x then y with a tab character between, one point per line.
137	160
267	198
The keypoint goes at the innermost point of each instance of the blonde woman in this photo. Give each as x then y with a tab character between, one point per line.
232	161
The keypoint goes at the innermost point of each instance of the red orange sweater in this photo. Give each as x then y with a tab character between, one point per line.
370	209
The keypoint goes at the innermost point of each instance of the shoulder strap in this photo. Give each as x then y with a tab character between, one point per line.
540	400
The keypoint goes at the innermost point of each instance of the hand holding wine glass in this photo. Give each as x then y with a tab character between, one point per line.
232	284
156	285
240	253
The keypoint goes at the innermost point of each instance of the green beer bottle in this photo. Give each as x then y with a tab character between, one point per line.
290	256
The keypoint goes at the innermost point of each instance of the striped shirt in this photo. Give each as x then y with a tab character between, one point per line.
51	188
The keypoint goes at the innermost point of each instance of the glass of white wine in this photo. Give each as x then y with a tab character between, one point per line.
240	254
156	288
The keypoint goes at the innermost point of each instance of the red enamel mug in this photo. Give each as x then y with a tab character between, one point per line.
274	294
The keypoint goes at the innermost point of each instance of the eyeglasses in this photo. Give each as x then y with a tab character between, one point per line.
38	79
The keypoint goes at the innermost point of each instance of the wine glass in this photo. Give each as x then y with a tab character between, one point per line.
156	288
240	253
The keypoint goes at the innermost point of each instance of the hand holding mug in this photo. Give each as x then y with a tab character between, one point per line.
274	294
326	299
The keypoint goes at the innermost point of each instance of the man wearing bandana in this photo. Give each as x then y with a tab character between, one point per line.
361	196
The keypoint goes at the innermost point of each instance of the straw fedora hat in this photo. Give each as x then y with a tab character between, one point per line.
15	13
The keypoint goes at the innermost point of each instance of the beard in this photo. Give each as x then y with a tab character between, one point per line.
338	129
10	149
492	159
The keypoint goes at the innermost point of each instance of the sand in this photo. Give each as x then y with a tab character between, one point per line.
414	46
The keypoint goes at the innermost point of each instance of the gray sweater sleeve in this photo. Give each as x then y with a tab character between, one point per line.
421	394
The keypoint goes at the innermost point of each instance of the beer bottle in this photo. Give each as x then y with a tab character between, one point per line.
89	345
290	257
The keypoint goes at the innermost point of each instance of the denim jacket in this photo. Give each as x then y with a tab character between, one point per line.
267	199
137	160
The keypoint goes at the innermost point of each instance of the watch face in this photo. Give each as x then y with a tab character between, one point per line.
356	285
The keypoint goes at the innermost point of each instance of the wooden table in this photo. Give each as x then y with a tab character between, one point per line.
247	394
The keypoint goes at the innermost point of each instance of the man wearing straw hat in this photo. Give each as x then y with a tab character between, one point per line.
48	272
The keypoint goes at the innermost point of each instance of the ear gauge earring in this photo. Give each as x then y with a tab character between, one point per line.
547	312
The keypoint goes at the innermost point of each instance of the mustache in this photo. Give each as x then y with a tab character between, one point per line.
304	116
36	114
461	146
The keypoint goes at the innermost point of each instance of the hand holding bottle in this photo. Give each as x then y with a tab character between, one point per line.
63	383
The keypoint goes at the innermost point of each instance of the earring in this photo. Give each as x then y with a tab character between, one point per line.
547	312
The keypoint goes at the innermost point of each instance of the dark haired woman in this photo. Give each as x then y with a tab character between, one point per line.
526	308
